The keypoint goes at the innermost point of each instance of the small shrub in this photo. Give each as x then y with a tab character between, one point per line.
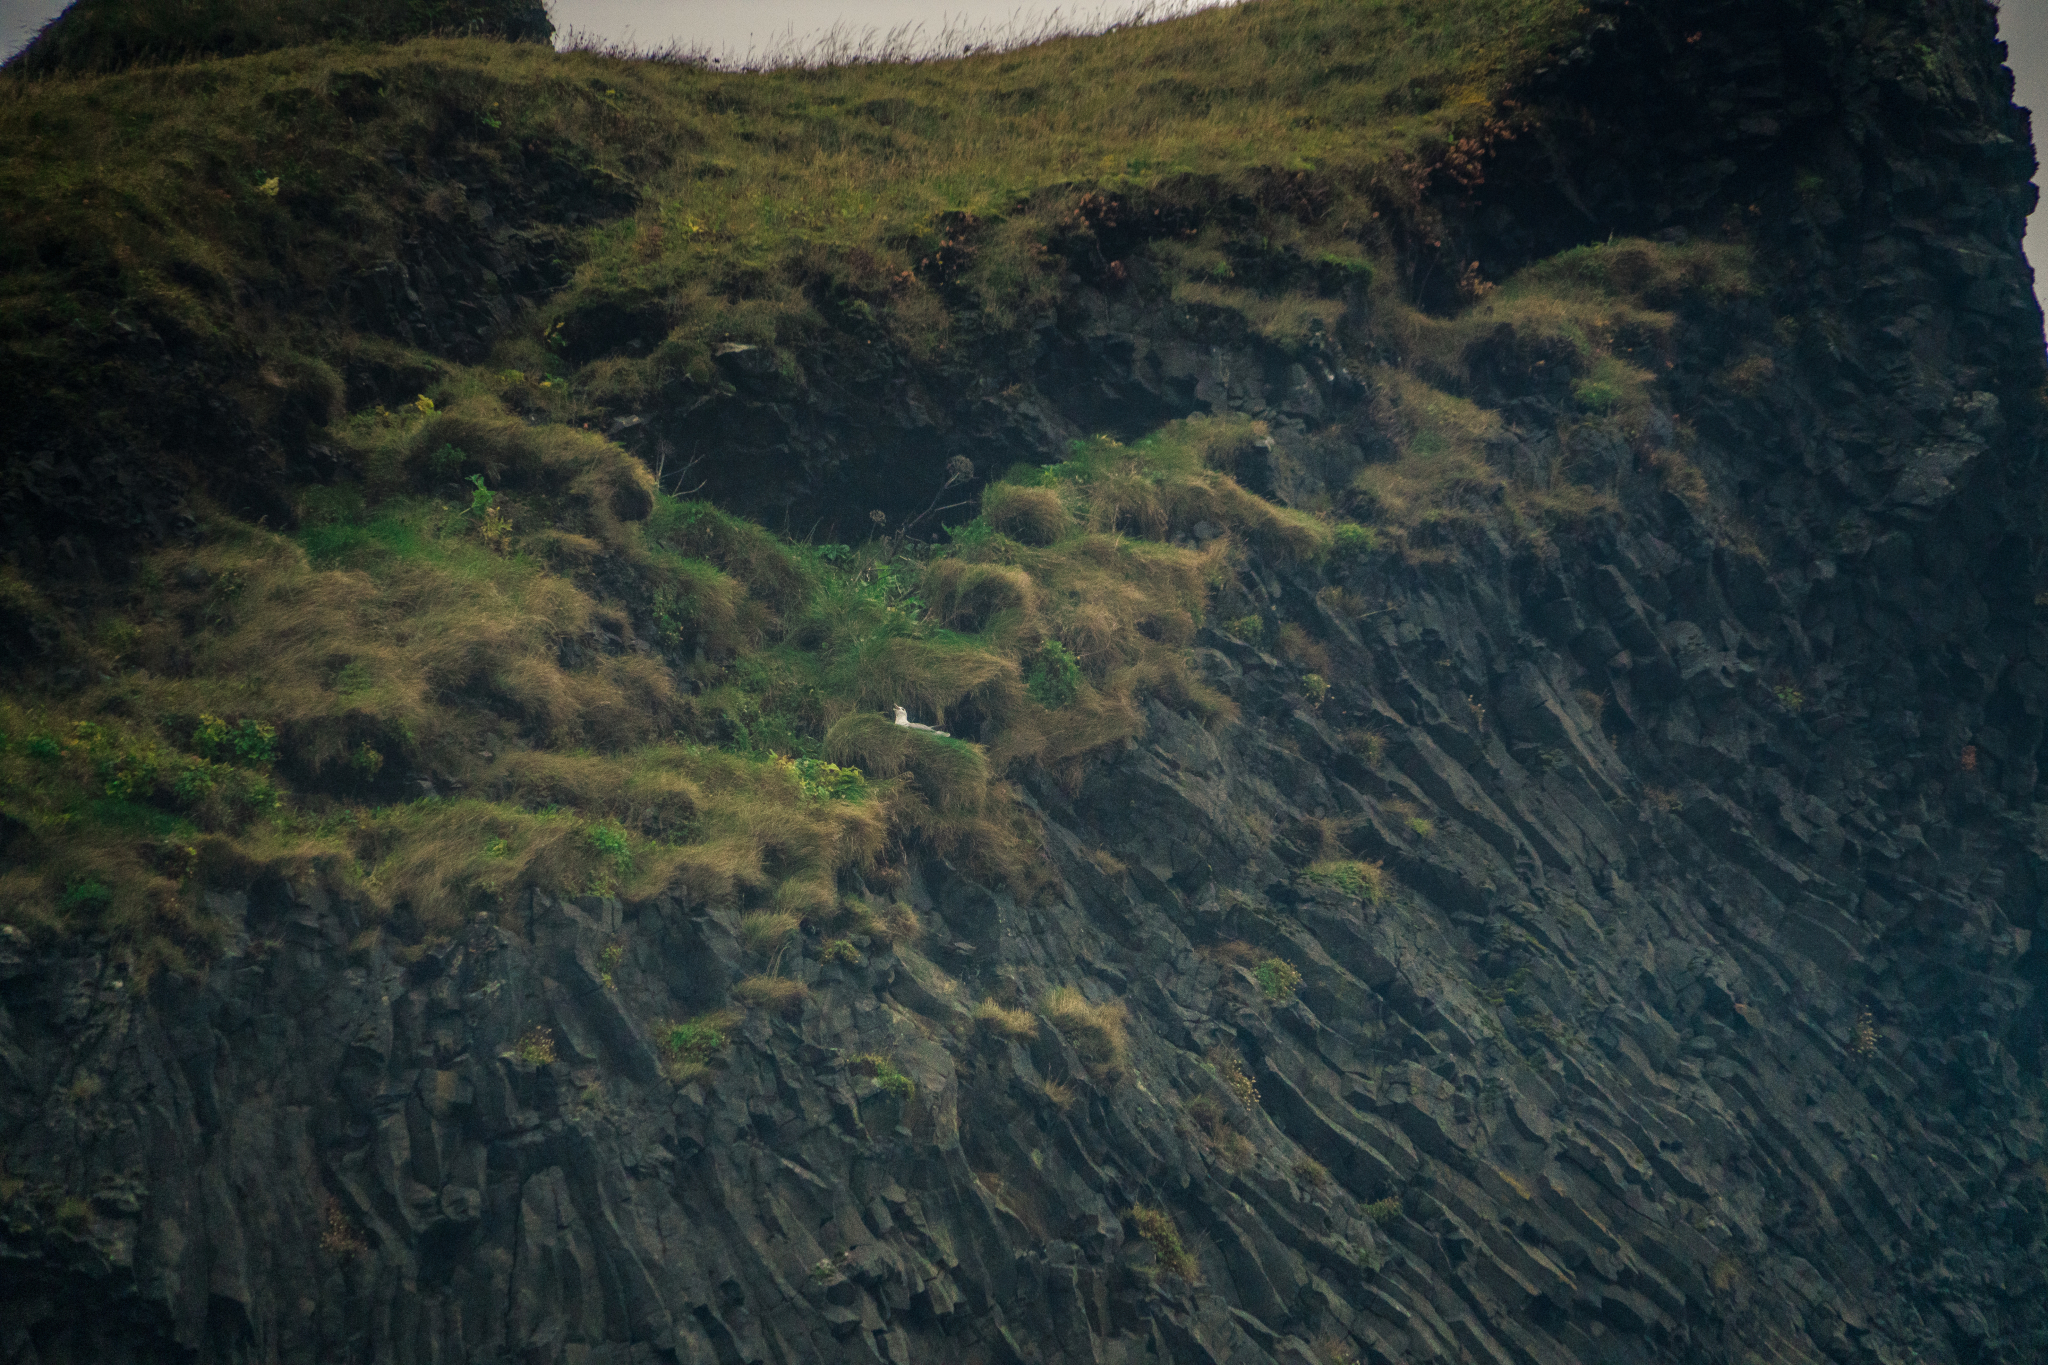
74	1215
536	1047
1214	1129
1365	881
1054	678
1250	629
87	893
1007	1022
1596	395
687	1048
765	931
895	922
822	781
1314	687
1863	1037
1311	1173
1383	1211
338	1237
1277	978
777	993
1229	1068
247	742
1098	1033
1421	826
1157	1228
884	1071
1351	541
608	963
1789	697
840	950
1369	745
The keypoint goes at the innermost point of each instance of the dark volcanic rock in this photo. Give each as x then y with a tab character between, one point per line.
1701	1020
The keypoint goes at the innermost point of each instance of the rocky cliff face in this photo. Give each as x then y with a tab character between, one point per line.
1698	1019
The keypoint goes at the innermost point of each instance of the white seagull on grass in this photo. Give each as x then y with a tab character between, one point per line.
903	719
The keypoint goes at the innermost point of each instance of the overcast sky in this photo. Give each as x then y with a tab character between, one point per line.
737	27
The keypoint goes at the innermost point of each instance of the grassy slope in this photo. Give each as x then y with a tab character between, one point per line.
610	689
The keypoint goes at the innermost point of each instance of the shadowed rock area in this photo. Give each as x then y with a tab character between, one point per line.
1692	1014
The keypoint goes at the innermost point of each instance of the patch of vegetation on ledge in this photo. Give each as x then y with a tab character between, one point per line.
490	653
428	706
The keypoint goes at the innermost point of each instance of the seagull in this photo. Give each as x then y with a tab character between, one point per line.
903	719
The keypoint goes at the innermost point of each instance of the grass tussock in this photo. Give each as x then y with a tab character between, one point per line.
1006	1022
778	994
1157	1228
1362	881
1098	1033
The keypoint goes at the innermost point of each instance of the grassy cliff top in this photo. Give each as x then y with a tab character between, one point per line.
213	192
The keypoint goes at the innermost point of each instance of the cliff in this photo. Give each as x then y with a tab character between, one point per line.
1496	676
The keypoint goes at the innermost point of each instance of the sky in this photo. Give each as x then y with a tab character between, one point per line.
736	28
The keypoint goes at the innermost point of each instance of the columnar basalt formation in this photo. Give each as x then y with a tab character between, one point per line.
1696	1015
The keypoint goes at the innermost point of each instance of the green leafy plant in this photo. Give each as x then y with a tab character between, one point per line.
1366	881
1054	678
1351	541
536	1046
839	950
1229	1068
885	1072
247	741
608	963
614	849
1277	978
1315	688
1383	1211
822	781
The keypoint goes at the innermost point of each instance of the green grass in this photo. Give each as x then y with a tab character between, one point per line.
924	204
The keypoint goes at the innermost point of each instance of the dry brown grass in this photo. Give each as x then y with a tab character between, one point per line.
1009	1023
1098	1033
764	932
779	994
1031	516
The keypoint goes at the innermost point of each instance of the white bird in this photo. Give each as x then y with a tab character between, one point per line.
903	719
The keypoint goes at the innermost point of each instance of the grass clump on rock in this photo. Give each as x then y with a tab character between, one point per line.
1098	1032
1156	1226
1006	1022
1361	880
